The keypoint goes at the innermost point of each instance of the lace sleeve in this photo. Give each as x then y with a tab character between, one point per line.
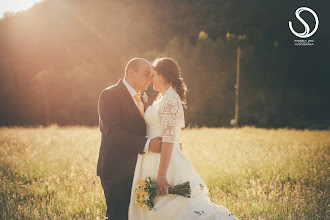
171	111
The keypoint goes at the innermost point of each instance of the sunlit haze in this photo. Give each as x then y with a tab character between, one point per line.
15	5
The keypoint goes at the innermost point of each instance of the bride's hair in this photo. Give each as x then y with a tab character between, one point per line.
170	70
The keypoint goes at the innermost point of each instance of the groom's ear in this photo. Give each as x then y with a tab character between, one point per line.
130	72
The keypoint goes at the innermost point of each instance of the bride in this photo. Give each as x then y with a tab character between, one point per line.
165	118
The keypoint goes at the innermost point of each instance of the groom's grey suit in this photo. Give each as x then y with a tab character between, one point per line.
123	137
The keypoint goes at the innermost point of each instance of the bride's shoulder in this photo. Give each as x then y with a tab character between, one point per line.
171	104
171	94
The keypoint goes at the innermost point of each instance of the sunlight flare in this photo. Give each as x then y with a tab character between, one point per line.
13	6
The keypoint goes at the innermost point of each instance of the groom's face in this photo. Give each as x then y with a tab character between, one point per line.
142	77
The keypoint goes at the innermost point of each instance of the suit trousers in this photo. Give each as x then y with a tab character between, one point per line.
117	192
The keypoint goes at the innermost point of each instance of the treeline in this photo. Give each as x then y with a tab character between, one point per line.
58	56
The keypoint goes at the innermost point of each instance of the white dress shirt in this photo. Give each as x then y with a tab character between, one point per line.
133	93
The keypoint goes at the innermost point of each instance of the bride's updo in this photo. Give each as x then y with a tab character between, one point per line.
169	69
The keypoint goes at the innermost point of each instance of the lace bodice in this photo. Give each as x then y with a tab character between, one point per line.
165	117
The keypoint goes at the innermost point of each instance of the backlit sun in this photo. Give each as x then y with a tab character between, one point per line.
15	5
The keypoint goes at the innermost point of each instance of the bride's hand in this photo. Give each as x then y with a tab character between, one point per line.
163	185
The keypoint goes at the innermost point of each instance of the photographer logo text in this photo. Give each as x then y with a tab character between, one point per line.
307	33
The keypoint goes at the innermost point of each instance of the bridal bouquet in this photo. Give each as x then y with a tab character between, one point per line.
147	190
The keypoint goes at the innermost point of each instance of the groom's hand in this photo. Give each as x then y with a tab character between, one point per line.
155	145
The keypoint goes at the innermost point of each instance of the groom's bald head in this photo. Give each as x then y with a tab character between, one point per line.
138	73
135	63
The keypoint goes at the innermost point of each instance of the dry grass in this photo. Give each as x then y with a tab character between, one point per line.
50	173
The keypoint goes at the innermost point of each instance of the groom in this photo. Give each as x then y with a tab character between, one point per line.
121	121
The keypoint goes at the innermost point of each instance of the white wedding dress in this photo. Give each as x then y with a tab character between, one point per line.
165	118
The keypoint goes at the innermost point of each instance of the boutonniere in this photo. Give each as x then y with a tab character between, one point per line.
144	97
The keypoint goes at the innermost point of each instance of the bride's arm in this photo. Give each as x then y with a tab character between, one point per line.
165	157
170	111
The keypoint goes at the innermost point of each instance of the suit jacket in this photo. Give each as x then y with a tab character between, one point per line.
123	132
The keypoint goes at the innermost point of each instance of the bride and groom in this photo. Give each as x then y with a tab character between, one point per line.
139	142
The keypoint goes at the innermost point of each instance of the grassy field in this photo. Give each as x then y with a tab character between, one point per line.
50	173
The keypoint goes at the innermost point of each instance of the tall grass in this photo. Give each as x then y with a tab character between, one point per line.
50	173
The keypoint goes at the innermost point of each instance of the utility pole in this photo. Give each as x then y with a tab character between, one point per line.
235	121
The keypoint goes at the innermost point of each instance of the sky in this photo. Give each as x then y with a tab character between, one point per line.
15	5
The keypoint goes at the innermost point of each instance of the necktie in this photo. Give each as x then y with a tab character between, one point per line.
139	103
